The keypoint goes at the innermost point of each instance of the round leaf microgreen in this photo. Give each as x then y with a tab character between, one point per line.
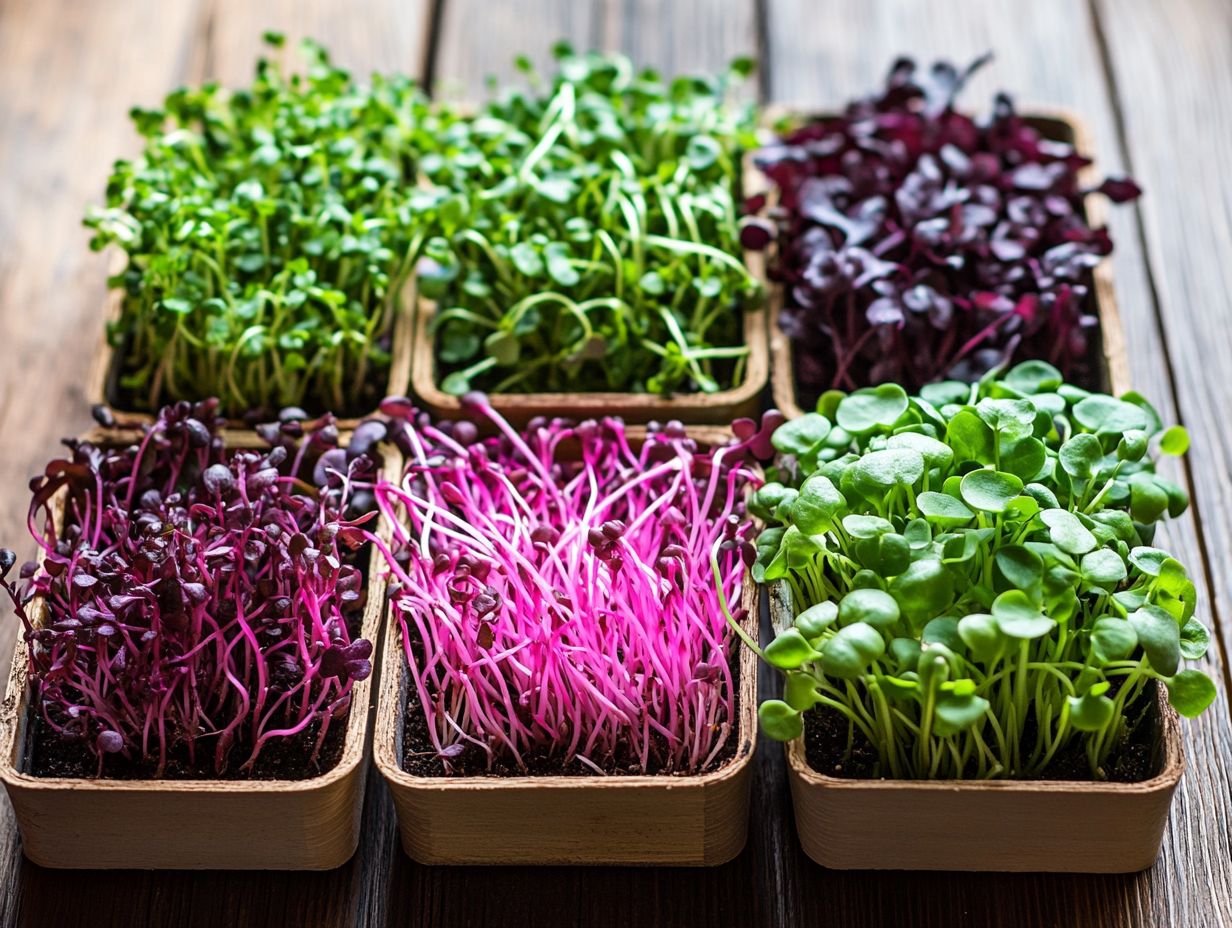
1147	500
779	720
800	691
1148	560
943	510
799	436
1113	639
818	505
1107	415
970	437
982	636
814	620
851	650
1174	441
884	470
1024	458
1195	640
956	713
1018	617
1091	712
1067	532
1191	692
871	408
862	526
1033	377
1021	566
935	453
923	590
990	490
789	649
872	607
943	630
993	536
1159	636
1081	455
1103	567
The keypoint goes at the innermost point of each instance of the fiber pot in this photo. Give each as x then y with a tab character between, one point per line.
742	399
1006	825
1058	124
570	820
104	375
86	823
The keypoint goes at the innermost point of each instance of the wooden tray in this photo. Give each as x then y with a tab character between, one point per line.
698	820
103	377
86	823
719	408
1002	825
1053	123
570	820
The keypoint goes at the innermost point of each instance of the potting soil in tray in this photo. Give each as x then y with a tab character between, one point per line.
826	738
280	758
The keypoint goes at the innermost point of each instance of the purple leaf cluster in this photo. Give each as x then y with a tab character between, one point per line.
916	244
201	602
566	593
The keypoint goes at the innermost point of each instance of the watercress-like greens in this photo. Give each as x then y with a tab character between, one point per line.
268	232
589	235
972	574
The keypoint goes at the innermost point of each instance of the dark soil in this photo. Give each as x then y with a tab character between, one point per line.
825	743
419	759
280	759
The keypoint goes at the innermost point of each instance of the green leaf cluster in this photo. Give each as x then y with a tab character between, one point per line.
268	232
589	235
973	569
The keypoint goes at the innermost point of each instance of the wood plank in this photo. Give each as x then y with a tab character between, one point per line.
71	71
1172	69
679	37
375	36
1047	52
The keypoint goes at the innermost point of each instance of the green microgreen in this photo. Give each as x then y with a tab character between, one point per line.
268	232
588	235
972	575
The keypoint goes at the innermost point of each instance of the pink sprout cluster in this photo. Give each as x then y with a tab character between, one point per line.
566	594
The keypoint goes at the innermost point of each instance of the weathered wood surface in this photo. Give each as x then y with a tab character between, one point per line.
1152	79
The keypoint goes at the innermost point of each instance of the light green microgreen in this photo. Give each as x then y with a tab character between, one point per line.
975	588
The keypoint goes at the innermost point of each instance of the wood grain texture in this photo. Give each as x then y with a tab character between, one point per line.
1172	68
479	39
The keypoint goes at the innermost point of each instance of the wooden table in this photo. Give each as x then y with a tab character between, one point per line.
1154	79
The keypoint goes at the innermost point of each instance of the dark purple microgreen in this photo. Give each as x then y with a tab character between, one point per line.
916	244
201	601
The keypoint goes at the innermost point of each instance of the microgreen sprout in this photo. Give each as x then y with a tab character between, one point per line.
588	235
268	233
566	597
201	603
972	575
916	244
